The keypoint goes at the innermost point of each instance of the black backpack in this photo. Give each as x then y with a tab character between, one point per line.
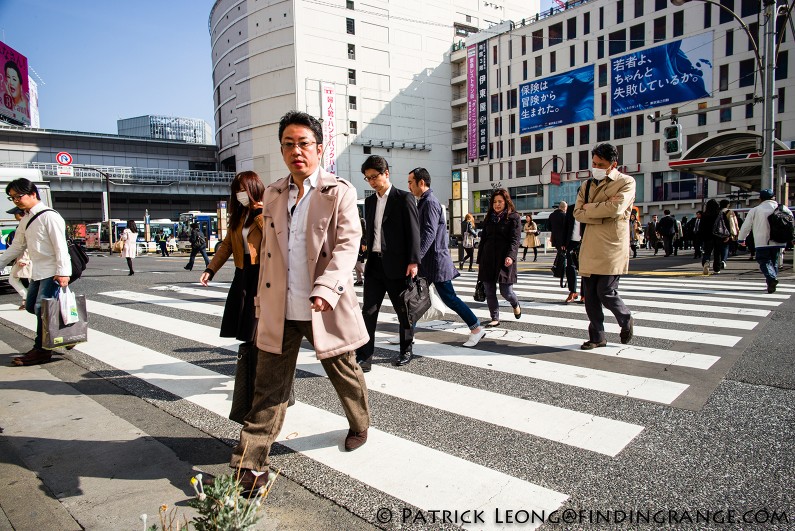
782	226
77	255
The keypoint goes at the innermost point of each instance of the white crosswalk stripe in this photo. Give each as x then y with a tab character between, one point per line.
701	320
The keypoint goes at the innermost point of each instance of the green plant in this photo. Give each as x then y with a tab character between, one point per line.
221	506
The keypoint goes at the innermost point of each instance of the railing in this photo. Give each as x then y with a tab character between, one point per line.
552	11
8	127
128	174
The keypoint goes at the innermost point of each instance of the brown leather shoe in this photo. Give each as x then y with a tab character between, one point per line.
249	481
590	345
33	357
571	298
355	440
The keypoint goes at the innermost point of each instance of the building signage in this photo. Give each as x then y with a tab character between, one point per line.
329	113
556	100
483	112
14	85
472	103
670	73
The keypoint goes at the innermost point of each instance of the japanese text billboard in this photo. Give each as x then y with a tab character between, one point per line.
329	116
671	73
14	85
472	102
556	100
483	112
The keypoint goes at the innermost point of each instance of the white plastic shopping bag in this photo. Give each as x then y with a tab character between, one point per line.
66	298
437	309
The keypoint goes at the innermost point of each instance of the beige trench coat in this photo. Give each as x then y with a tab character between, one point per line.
530	238
332	245
605	245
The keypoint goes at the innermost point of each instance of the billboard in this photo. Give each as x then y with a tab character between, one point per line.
328	107
556	100
472	102
670	73
483	112
14	85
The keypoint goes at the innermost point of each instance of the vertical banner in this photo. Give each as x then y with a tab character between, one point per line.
483	88
472	103
327	106
34	103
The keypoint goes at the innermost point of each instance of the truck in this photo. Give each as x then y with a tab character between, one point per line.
8	223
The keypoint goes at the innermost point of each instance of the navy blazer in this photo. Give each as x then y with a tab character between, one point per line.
437	264
400	232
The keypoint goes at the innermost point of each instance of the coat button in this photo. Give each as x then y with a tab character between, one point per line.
267	284
323	254
271	224
339	288
269	255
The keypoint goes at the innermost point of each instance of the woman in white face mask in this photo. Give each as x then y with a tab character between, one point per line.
242	241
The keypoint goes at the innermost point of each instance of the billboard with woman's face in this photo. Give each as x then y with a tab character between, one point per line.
14	85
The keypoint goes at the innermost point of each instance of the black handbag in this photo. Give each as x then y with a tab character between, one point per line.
559	267
480	292
416	299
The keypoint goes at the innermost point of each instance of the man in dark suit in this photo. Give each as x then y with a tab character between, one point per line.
557	226
393	254
666	227
651	234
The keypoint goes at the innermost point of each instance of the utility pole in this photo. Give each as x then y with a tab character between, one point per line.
769	123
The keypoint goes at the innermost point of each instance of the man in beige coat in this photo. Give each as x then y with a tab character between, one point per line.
604	205
310	246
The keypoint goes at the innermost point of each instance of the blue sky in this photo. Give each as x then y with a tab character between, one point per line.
103	60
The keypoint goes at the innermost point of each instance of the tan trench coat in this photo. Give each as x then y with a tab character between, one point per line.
530	238
333	233
605	245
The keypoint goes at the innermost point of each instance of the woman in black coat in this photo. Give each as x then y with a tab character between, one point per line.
713	245
499	245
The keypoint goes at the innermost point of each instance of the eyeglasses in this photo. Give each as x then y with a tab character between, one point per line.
303	146
14	198
372	177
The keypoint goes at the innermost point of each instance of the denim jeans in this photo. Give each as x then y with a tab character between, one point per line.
767	258
45	288
193	254
451	300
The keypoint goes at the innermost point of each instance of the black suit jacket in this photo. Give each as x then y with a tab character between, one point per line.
557	227
400	232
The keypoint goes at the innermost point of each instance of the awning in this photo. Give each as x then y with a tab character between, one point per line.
733	158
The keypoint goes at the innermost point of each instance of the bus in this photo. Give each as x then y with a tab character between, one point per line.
208	224
97	234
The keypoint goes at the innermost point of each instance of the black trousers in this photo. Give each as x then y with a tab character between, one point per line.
376	285
602	290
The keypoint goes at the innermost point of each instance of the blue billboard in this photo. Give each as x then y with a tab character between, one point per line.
556	100
664	75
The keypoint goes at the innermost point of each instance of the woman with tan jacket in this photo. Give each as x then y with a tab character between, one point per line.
530	237
242	242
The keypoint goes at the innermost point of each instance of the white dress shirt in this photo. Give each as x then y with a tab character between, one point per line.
299	284
380	205
45	241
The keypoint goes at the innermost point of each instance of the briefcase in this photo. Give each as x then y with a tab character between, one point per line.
416	299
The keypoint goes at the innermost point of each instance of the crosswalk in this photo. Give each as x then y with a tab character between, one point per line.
463	411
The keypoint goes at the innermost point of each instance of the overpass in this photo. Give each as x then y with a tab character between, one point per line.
164	192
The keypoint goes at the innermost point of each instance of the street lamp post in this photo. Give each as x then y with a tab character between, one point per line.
766	70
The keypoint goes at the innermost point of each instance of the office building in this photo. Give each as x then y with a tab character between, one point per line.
191	130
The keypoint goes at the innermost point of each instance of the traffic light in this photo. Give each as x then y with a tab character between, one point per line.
673	140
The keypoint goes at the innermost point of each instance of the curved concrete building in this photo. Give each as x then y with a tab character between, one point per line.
377	73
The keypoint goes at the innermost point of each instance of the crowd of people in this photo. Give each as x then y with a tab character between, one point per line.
296	243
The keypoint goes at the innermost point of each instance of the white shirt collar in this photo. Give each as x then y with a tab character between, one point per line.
386	193
312	178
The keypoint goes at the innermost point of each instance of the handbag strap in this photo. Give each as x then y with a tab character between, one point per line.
37	214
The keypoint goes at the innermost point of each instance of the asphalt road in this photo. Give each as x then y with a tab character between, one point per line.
693	420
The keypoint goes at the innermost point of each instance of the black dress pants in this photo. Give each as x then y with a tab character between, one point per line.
376	286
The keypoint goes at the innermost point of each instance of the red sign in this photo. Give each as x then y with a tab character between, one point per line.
63	158
555	178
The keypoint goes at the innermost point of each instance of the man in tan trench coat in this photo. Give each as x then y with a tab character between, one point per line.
604	253
309	248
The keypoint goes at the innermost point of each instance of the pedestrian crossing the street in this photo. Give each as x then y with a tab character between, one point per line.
526	383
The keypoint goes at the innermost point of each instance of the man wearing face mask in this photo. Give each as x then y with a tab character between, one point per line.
603	206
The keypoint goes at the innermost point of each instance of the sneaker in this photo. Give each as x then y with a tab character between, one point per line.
706	269
722	265
475	337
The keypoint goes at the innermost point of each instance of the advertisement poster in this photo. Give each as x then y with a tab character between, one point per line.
472	103
327	107
670	73
557	100
14	85
483	112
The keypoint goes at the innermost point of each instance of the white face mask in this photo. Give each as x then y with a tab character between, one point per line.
243	198
599	173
